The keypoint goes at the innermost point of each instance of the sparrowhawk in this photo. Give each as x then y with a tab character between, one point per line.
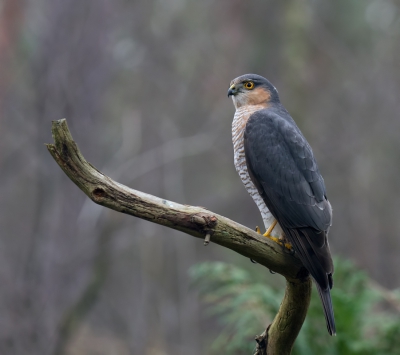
278	168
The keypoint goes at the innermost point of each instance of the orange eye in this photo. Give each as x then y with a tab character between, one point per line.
249	85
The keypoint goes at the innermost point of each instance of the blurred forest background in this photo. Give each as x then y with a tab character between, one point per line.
143	86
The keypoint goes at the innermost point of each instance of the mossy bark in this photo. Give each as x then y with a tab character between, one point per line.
279	337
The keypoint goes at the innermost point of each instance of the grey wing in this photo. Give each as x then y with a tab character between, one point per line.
282	166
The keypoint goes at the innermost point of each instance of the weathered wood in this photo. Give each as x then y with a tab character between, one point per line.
195	221
280	336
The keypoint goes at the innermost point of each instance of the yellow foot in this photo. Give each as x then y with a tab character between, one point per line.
282	243
270	229
275	239
288	246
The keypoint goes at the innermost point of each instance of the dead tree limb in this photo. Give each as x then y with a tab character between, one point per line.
197	222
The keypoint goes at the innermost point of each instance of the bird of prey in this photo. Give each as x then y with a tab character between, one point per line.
278	168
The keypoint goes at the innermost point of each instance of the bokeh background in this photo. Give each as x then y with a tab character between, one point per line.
143	86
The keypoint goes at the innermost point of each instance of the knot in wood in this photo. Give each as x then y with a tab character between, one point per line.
204	220
98	194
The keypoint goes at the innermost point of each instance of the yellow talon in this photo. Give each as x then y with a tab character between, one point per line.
275	239
288	246
270	229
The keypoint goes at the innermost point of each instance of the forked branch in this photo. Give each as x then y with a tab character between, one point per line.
197	222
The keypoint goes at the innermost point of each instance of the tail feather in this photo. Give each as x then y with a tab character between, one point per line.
326	299
313	250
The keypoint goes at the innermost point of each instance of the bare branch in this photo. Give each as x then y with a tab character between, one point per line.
195	221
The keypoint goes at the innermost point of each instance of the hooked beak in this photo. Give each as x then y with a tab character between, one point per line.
232	91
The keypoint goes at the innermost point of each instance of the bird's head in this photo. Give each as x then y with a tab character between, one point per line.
252	89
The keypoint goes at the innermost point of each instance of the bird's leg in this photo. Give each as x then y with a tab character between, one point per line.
285	243
270	229
268	232
281	241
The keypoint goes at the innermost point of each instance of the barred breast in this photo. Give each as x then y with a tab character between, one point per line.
242	114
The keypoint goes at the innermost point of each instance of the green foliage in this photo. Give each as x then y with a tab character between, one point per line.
245	306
